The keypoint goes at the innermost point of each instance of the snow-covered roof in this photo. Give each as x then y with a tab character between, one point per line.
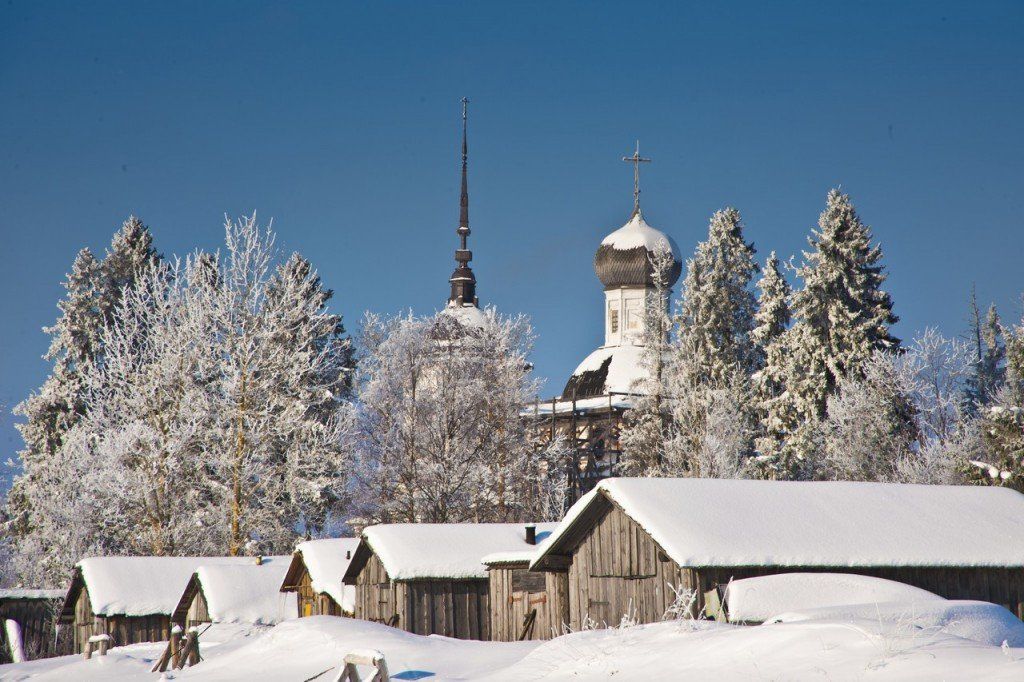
624	373
637	233
467	314
412	551
758	599
327	560
31	594
524	555
712	522
247	593
141	585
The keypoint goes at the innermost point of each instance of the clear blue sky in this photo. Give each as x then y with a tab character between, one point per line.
340	121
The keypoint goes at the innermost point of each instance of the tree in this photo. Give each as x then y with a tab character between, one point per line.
440	436
842	317
988	371
1002	420
773	409
718	305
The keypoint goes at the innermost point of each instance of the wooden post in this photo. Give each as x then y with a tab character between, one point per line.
193	653
368	657
175	646
87	654
104	644
14	641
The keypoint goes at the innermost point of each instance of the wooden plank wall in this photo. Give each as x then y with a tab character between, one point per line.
453	608
510	606
198	610
618	569
122	629
377	597
312	603
37	618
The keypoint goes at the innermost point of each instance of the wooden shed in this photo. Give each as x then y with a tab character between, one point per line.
628	540
315	576
35	612
525	604
236	593
429	578
129	598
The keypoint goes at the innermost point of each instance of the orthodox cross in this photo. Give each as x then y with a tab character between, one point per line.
636	160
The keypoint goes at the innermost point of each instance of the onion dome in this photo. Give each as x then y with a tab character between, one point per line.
623	259
610	369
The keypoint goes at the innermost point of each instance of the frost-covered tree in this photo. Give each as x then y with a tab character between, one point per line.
988	371
440	436
93	290
1002	420
718	305
871	423
841	316
775	414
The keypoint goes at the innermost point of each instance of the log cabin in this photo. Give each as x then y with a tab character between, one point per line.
129	598
525	604
630	546
236	593
315	576
35	612
429	578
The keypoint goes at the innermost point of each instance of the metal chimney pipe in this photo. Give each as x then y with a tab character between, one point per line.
531	535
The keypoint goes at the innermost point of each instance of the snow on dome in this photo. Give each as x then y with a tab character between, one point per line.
467	314
247	593
711	522
327	560
609	369
758	599
141	585
412	551
623	257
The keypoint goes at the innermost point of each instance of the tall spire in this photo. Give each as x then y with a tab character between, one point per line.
462	280
636	160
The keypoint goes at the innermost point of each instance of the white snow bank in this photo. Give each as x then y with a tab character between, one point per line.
978	621
626	371
141	586
757	599
712	522
248	593
411	551
637	233
327	560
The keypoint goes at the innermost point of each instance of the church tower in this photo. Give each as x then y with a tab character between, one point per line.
463	303
623	265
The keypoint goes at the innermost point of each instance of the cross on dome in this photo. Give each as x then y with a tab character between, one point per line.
636	160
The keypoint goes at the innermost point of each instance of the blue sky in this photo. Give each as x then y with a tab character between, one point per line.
340	121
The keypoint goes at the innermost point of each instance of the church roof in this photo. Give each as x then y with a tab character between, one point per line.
609	369
623	259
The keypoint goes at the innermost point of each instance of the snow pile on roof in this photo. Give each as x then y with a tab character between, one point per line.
247	593
758	599
411	551
978	621
626	371
142	585
711	522
31	594
327	560
515	556
468	315
637	233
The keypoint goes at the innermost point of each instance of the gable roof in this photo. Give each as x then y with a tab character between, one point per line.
326	560
241	593
455	551
134	586
713	522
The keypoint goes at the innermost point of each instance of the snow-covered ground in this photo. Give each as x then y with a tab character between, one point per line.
883	646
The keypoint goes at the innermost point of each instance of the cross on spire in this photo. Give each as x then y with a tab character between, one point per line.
636	160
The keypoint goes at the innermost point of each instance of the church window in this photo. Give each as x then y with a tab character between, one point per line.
613	320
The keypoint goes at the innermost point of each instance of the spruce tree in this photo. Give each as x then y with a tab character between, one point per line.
772	320
842	316
718	304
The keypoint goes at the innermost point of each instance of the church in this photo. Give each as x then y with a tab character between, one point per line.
588	412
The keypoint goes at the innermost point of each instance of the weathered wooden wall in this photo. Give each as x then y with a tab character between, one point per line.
514	592
453	608
122	629
198	610
37	618
618	569
312	603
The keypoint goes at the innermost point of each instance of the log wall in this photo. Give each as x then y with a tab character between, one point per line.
122	629
515	591
312	603
37	618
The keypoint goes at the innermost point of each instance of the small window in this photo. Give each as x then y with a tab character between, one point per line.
614	320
